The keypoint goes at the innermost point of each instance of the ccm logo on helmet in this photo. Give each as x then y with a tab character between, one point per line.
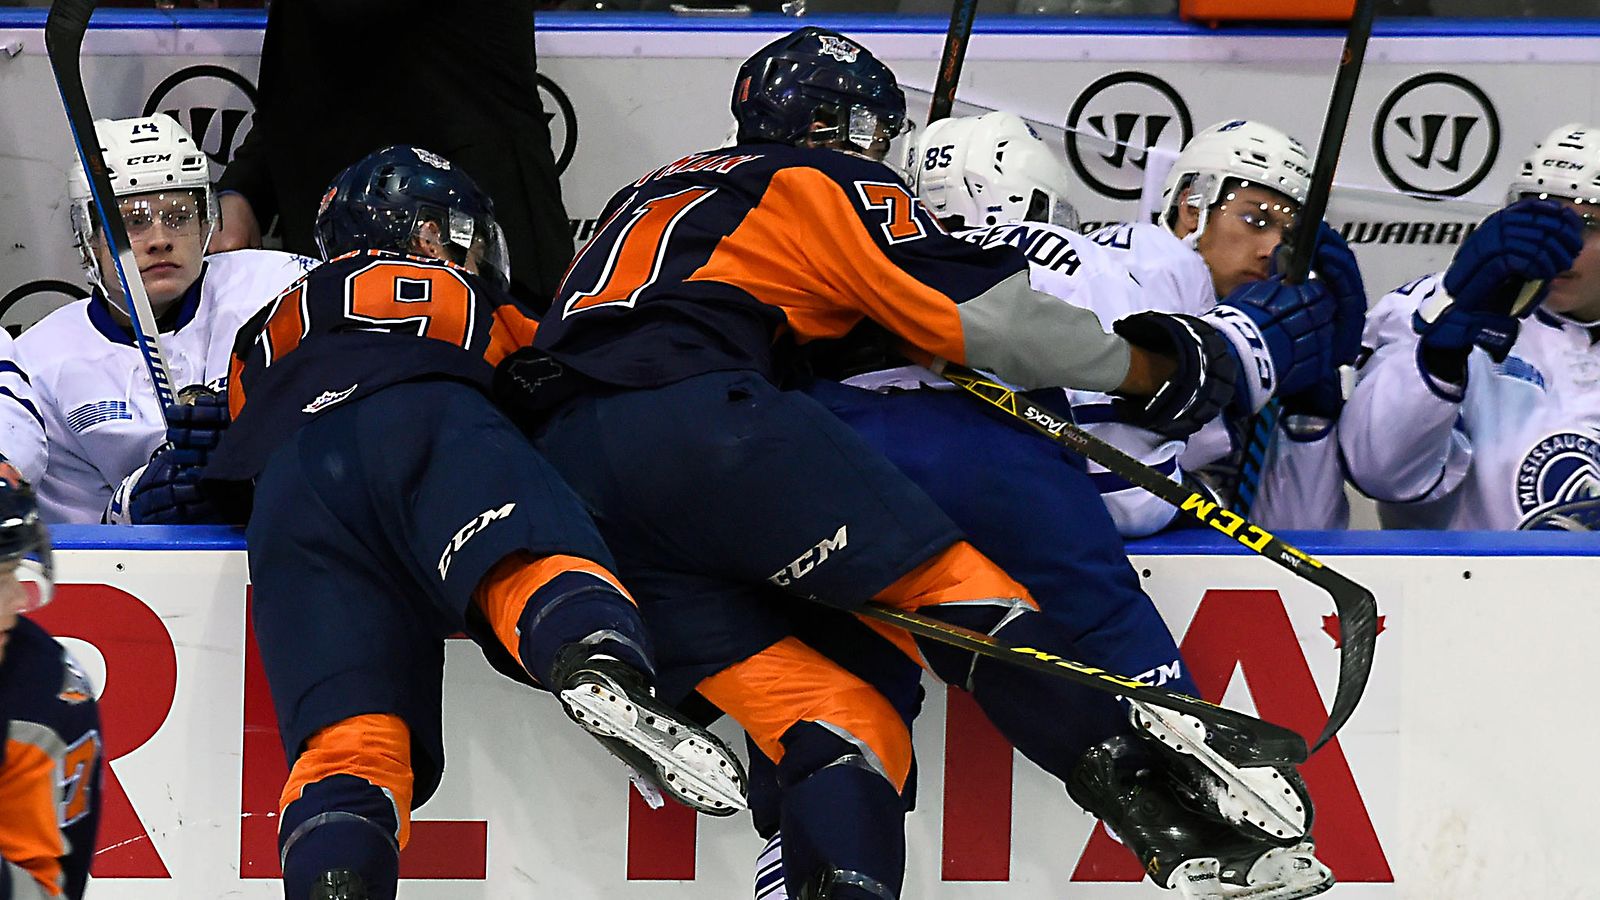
147	160
810	559
467	532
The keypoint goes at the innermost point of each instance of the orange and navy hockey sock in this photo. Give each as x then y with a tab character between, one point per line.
347	805
537	606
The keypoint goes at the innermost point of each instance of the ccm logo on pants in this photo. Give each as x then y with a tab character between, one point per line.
810	559
478	523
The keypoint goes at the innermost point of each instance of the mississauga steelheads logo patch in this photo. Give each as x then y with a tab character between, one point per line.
1560	472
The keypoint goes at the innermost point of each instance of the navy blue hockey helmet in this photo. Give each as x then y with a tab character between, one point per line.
388	200
811	75
24	547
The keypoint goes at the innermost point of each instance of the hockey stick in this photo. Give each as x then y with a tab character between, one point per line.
1081	673
64	29
1356	607
1263	426
955	52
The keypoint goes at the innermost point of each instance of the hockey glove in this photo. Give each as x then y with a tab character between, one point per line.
195	424
164	491
1336	266
1202	384
1284	334
1530	240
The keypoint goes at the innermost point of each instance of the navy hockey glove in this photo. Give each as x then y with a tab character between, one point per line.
1530	240
1200	387
1282	332
195	424
167	492
1336	266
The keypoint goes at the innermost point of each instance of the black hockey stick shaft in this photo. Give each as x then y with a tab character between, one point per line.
64	31
1262	429
1038	660
955	52
1356	607
1332	140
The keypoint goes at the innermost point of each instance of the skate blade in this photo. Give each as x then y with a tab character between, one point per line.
691	766
1258	796
1279	874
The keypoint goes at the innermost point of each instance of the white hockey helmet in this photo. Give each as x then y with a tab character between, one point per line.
1565	164
144	155
1238	150
989	170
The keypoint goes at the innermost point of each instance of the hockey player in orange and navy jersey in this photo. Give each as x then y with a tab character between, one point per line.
51	757
393	506
656	385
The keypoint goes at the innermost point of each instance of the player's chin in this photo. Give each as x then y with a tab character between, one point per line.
165	285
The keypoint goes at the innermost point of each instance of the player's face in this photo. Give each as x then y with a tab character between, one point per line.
1244	229
167	231
1576	292
12	599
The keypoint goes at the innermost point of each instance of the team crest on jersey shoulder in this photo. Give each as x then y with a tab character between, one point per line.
1560	474
75	686
839	48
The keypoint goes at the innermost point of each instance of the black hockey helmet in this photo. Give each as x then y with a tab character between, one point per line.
382	202
813	74
25	543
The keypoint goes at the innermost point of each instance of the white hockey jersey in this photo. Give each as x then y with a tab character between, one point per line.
98	405
1302	484
22	440
1511	451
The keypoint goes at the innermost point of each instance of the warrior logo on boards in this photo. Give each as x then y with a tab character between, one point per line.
560	118
1115	123
1558	483
42	296
216	104
1437	133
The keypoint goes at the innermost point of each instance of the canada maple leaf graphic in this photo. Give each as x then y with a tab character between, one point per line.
1330	624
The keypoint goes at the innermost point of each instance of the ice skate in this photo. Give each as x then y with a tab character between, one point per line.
612	702
1177	835
1250	784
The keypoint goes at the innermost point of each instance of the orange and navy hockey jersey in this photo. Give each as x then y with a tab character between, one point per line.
353	326
49	769
721	259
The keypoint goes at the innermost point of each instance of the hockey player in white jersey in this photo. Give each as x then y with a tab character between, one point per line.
95	398
1229	202
23	449
1471	413
993	177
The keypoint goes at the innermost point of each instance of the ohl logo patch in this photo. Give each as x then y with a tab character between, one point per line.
1558	478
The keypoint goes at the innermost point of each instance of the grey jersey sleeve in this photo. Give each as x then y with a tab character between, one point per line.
1034	340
